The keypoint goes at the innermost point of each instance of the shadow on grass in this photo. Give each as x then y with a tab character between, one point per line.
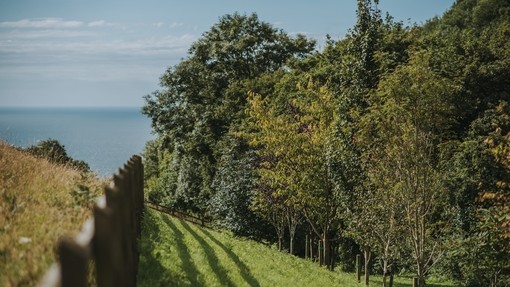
150	270
212	258
188	265
243	269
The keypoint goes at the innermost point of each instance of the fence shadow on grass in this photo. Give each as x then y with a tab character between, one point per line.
189	267
244	270
212	258
151	272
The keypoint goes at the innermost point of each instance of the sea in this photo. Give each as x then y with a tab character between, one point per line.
105	138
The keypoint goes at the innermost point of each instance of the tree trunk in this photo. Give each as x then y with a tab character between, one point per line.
332	256
390	270
385	272
366	252
291	247
327	251
421	275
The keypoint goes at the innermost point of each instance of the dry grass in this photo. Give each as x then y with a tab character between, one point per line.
39	201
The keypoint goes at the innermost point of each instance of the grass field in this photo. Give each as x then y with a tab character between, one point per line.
39	201
177	253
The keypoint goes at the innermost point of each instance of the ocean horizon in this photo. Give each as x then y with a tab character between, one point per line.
103	137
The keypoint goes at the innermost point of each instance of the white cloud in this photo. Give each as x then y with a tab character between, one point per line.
171	25
103	23
97	23
44	33
64	42
158	24
176	24
90	51
42	23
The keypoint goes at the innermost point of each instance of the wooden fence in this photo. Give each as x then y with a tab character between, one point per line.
181	215
109	239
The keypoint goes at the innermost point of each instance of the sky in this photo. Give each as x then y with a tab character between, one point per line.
111	53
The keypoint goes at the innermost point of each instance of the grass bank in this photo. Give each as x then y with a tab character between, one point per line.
177	253
39	201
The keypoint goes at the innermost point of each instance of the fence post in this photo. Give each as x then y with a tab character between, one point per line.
311	248
115	201
358	267
306	246
105	250
74	261
110	238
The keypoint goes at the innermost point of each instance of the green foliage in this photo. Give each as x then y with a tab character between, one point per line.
83	195
482	255
55	152
205	94
395	137
409	116
233	187
292	139
476	174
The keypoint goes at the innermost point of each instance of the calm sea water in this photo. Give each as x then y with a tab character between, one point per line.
105	138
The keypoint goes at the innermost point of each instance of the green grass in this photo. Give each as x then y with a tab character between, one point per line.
177	253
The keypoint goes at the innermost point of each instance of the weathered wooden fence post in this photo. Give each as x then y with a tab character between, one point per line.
306	246
74	261
416	282
311	248
319	251
106	251
110	238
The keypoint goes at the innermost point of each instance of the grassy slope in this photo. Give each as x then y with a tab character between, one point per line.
177	253
36	207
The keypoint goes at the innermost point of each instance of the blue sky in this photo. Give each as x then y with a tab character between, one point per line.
90	53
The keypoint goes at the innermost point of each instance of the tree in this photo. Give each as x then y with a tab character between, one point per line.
55	152
201	99
412	111
293	137
492	249
476	175
276	141
360	78
233	187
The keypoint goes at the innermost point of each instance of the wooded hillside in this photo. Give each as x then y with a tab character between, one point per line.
393	142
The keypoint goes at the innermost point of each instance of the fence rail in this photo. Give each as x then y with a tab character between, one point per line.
109	239
185	216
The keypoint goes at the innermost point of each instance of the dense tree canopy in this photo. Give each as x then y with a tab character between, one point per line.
394	141
205	94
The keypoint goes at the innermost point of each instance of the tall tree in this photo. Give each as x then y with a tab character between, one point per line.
293	138
197	105
234	187
360	78
414	112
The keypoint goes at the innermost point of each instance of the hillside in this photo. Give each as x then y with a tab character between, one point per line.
39	201
177	253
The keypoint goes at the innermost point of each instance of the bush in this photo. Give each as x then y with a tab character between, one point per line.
55	152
